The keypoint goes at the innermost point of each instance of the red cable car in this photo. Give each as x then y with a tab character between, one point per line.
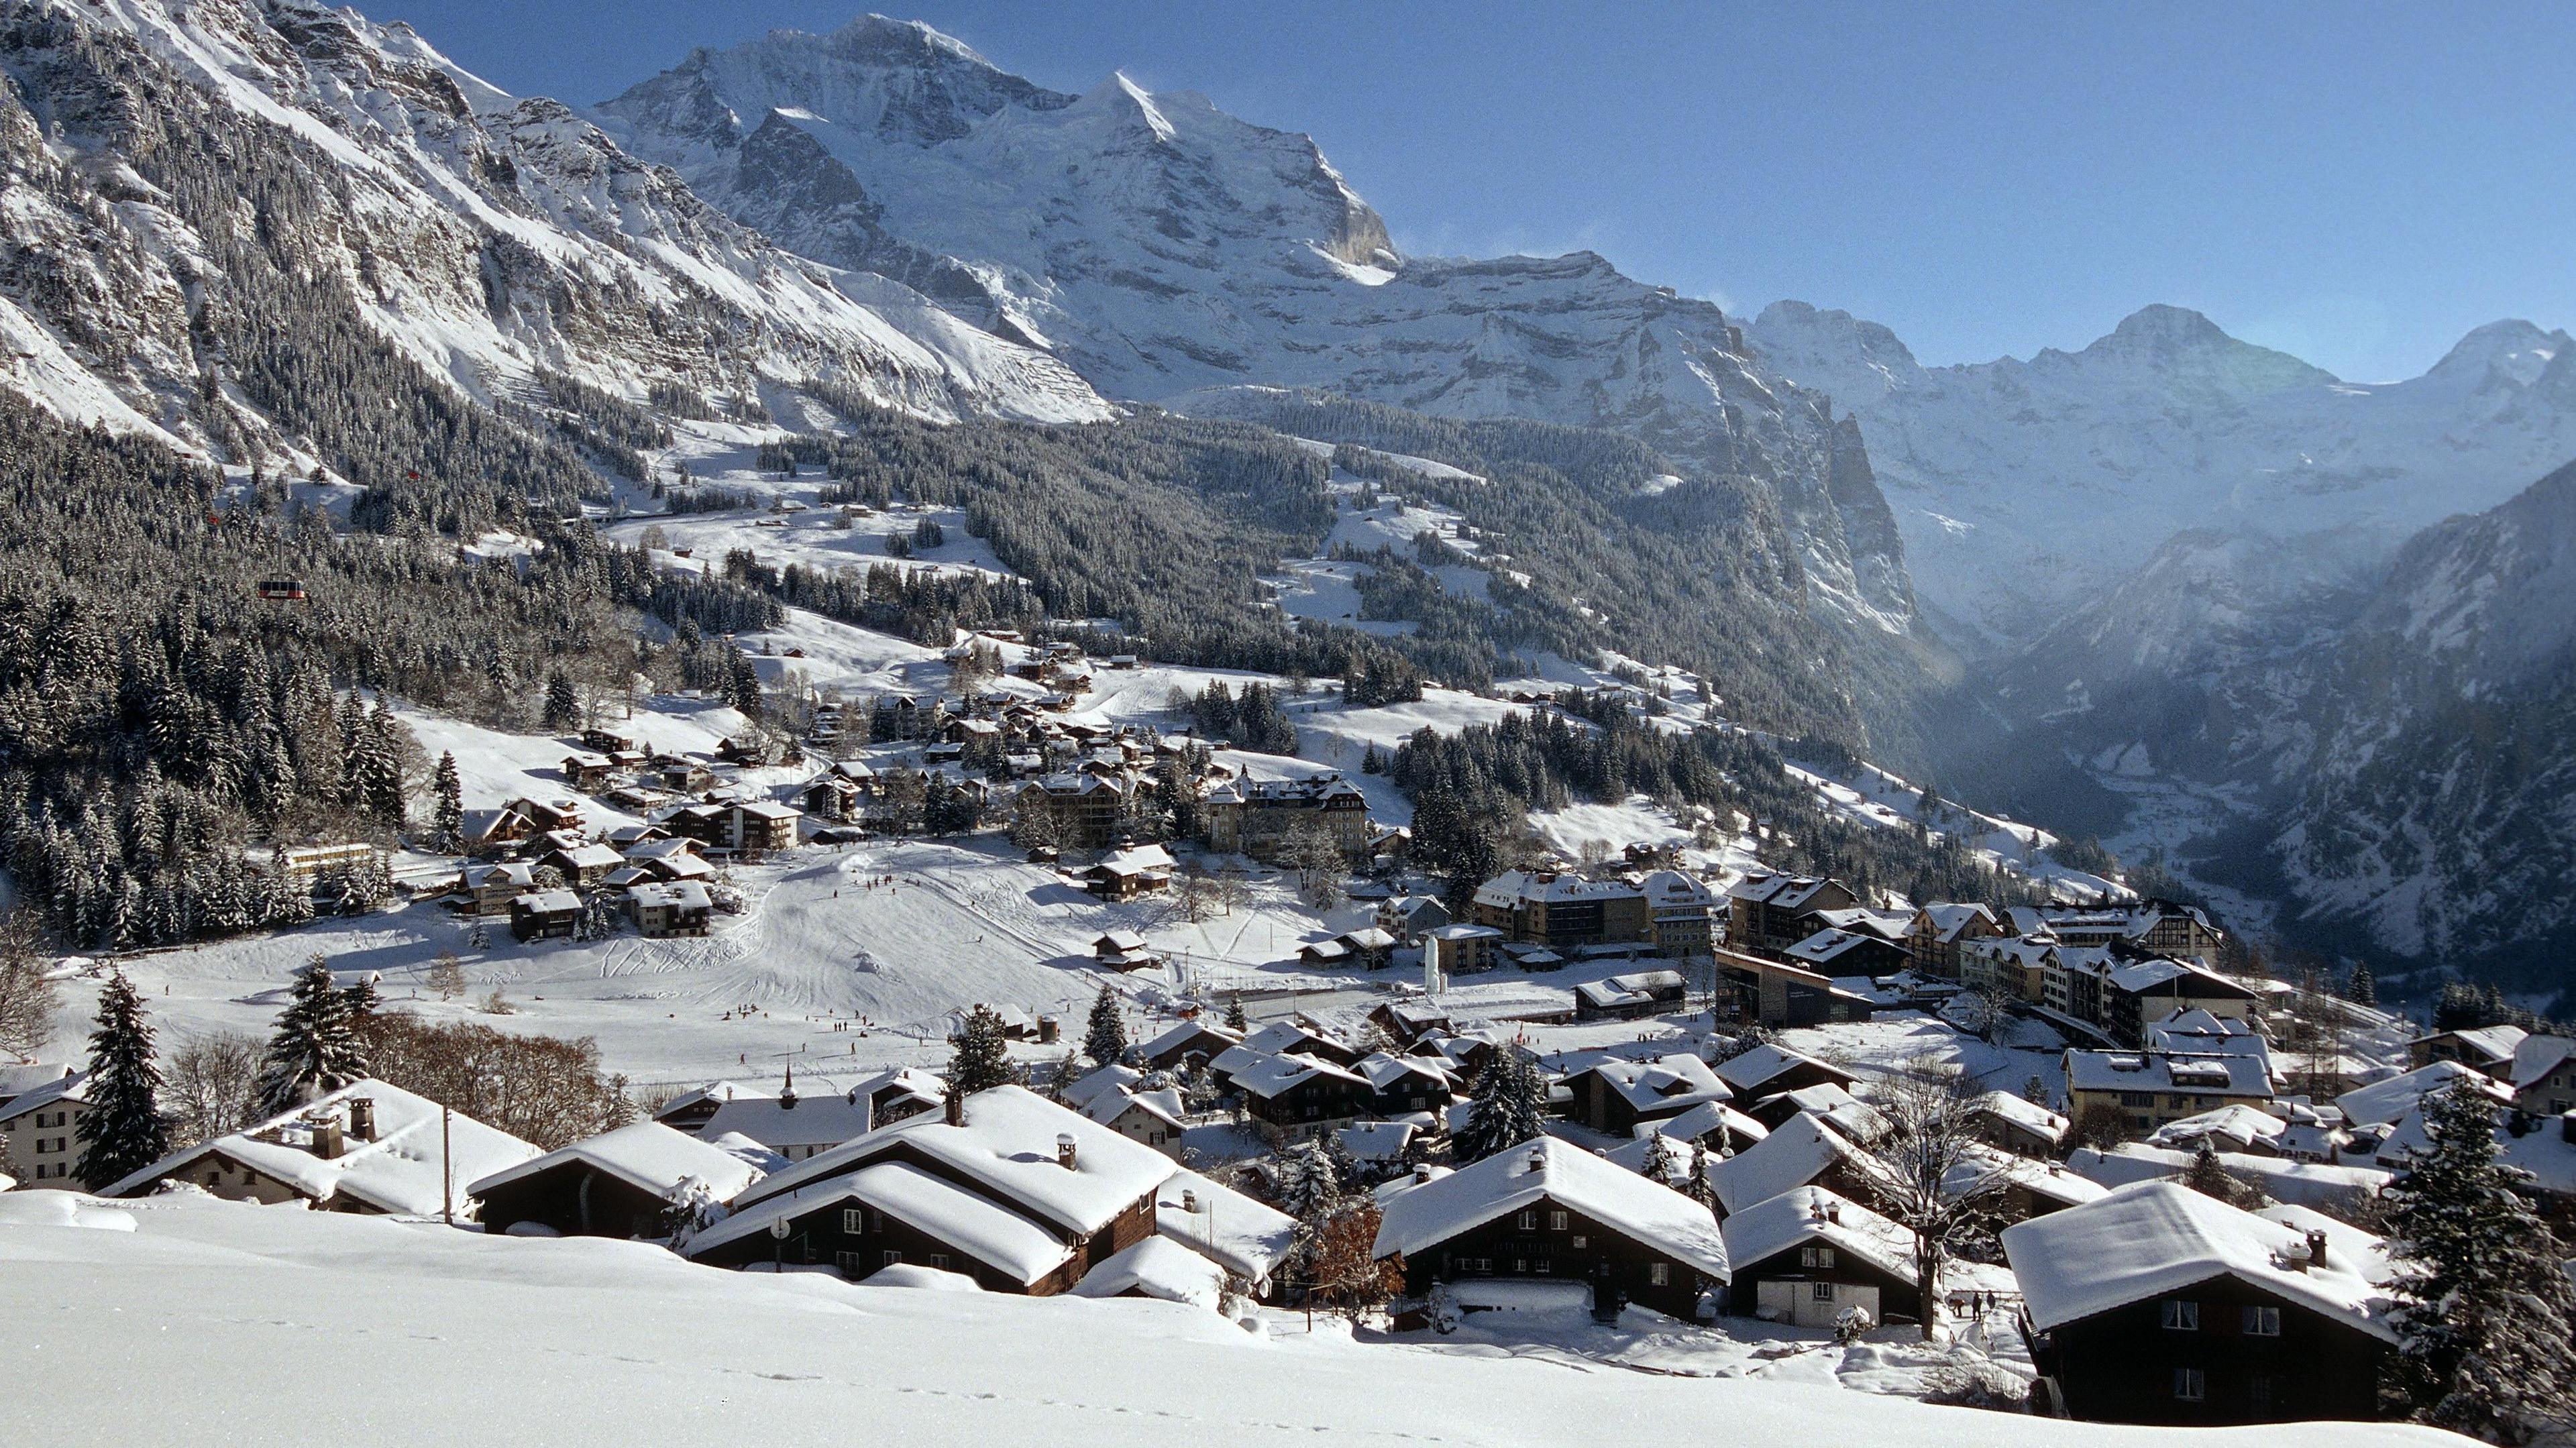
282	590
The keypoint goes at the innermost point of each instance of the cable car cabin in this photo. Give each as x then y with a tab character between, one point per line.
282	590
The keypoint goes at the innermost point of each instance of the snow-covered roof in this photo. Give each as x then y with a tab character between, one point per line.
1638	989
1947	920
1549	887
1266	1076
1813	1214
717	1091
592	857
1748	1071
2495	1043
674	894
1278	1037
2202	1073
2156	1238
1828	945
1163	1106
2234	1122
1369	1141
826	1119
2306	1182
1157	1267
2534	1057
646	1155
2546	1153
402	1170
1677	1080
1222	1224
1110	1078
1703	1119
968	1221
1831	1104
45	1092
1560	1172
2364	1252
1008	1144
1797	1152
2030	1116
2050	1180
924	1278
17	1080
1186	1032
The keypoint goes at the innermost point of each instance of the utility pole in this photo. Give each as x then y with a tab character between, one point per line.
446	1167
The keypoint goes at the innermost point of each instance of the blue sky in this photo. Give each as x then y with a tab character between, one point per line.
2355	183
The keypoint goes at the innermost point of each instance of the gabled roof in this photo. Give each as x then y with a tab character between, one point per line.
825	1119
1265	1075
1947	920
1376	1141
1748	1071
2030	1116
2534	1057
2386	1101
647	1155
973	1224
2145	1241
1223	1225
1008	1145
400	1171
716	1091
1679	1079
2205	1074
1186	1032
1550	1170
2305	1182
1164	1106
1813	1214
66	1087
1110	1078
1832	1105
1795	1154
1157	1267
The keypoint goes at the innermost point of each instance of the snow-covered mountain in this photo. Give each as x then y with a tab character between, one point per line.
2018	485
163	156
1163	247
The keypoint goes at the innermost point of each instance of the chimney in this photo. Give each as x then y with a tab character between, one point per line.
2317	1249
1190	1202
1538	1158
956	1107
1421	1172
326	1139
362	1118
1064	1150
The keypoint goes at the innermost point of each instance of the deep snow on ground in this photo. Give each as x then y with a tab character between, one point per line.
188	1320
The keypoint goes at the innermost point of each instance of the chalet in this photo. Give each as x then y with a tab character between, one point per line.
1938	931
2383	1102
1381	1148
1402	1085
2486	1049
1223	1225
898	1092
1195	1041
1297	1093
1259	817
1629	997
489	889
2122	995
670	859
583	865
833	797
1408	1021
2157	1304
704	824
606	741
1802	1152
1558	910
1766	912
1304	1035
1614	1094
1123	950
368	1148
1128	873
1005	1187
2005	1120
1835	950
1450	950
1807	1256
621	1184
545	915
690	1111
1332	952
1551	1212
794	1126
1781	996
673	908
761	825
2013	968
1407	917
2154	927
1831	1104
587	771
1149	1118
2151	1089
40	1127
1771	1068
2544	1075
1368	946
686	776
1081	809
2323	1185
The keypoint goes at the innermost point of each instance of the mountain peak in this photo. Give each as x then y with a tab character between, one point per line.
2518	349
2161	327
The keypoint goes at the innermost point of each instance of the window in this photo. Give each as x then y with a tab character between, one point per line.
1659	1274
847	1262
1580	1241
939	1260
892	1257
2181	1316
1540	1266
852	1220
1815	1256
1820	1291
1556	1221
2138	1098
2258	1390
1475	1264
2262	1322
2189	1385
1529	1221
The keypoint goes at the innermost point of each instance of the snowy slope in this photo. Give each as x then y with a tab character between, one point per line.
483	235
1162	247
328	1329
2010	477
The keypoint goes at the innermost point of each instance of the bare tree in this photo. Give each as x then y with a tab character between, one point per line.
1196	898
447	975
1231	888
1940	1181
26	993
211	1086
1317	858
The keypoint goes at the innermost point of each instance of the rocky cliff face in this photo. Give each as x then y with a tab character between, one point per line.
1163	247
484	238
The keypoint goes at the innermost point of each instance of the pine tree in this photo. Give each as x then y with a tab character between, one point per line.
315	1050
2210	1177
2361	989
123	1131
449	819
2484	1303
563	704
1508	1108
982	1057
1106	1040
1234	1020
1310	1190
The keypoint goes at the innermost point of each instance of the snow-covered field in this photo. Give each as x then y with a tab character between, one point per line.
282	1326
